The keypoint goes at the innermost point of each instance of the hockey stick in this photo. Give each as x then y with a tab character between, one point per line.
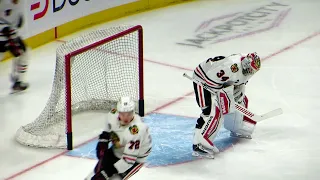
240	108
89	176
92	173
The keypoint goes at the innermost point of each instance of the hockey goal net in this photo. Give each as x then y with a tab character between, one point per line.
92	72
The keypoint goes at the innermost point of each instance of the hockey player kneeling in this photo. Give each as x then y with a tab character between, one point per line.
131	143
227	76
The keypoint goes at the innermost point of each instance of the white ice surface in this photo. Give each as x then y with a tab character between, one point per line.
282	148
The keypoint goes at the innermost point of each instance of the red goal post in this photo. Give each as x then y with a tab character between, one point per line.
92	72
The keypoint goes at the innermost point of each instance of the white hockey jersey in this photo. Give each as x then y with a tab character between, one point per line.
220	71
10	16
131	143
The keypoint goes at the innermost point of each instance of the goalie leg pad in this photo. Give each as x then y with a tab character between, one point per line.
207	128
226	98
239	124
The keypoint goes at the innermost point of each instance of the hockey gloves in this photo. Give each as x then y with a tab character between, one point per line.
103	144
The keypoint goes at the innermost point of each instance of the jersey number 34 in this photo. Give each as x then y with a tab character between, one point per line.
221	75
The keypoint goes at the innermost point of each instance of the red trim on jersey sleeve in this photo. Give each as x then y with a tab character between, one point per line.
208	81
129	158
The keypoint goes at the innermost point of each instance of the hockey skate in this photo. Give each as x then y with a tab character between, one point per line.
19	86
200	151
237	135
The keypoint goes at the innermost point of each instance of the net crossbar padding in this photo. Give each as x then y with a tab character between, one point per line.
92	72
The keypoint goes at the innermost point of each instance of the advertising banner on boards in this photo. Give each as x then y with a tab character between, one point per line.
42	15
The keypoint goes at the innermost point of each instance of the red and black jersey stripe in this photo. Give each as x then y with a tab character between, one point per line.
212	84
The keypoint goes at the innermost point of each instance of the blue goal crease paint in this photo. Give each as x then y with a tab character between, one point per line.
171	139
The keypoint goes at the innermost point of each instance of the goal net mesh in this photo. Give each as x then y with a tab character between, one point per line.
99	77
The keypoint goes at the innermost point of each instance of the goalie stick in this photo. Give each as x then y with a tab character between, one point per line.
89	176
242	109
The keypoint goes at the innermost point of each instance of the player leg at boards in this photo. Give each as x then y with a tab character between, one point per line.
10	22
130	140
239	125
19	63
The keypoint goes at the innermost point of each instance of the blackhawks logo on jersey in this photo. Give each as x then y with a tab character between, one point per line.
134	129
113	111
234	68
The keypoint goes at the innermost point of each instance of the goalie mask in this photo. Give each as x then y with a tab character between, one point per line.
250	64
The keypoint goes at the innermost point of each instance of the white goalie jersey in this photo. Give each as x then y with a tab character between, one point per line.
219	72
131	143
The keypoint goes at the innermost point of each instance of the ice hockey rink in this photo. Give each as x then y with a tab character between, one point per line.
286	34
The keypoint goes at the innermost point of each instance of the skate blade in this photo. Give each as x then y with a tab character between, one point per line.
209	156
17	91
241	136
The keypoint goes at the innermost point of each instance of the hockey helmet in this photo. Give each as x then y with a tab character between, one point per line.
251	64
125	104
